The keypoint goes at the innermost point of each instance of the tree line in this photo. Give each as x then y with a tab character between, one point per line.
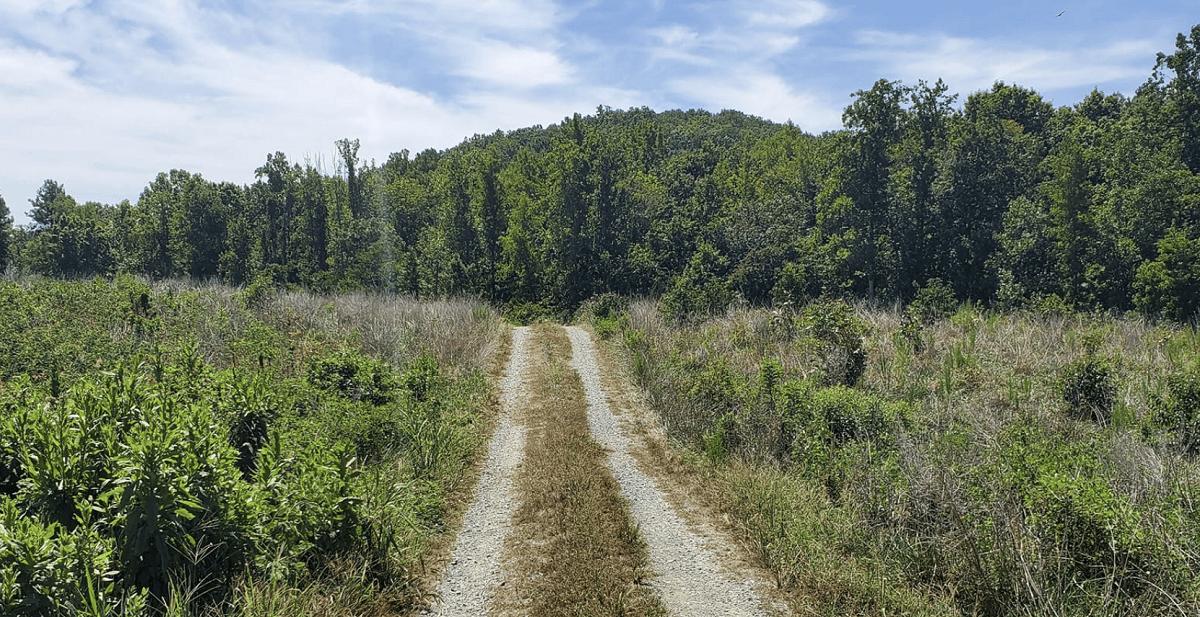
1003	200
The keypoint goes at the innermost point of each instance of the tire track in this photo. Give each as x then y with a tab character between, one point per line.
469	583
690	580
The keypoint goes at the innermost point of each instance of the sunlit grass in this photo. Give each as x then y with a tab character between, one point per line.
989	494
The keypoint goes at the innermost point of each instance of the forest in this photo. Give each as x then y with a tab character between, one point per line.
1003	198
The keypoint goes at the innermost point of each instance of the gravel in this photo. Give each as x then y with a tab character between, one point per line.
689	578
474	569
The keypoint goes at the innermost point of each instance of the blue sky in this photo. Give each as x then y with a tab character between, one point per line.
102	95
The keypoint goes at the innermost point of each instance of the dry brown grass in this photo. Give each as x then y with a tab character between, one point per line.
574	549
462	333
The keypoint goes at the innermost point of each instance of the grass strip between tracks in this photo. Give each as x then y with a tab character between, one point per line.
576	549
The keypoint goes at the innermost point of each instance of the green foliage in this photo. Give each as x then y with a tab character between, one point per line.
1170	285
835	415
1074	512
525	313
1089	384
6	232
162	481
701	289
356	377
1179	407
608	313
932	302
839	337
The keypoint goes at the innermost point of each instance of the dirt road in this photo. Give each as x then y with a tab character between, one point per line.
496	565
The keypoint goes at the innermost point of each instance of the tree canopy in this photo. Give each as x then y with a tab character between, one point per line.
1006	199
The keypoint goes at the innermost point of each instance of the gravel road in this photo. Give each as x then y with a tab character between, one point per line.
690	581
689	578
474	569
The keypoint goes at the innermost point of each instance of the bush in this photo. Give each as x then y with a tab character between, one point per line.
840	338
355	377
608	313
1089	384
1179	408
834	415
422	377
525	313
700	290
932	302
1088	532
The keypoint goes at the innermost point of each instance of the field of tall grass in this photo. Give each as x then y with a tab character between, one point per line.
940	460
196	450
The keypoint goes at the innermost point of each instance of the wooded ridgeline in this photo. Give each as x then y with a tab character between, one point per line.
1004	200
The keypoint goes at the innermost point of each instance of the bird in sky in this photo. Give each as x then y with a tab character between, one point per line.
1060	14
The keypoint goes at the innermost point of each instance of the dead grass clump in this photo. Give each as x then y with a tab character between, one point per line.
461	332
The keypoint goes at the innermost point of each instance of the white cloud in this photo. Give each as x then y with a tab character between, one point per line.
448	15
972	64
510	65
29	72
781	14
733	61
761	94
676	36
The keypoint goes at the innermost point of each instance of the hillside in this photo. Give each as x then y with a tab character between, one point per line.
1002	197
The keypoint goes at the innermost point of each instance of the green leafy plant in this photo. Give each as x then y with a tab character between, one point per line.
1089	384
839	337
1179	407
355	377
933	301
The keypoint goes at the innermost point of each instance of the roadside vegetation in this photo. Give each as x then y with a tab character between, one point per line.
195	451
939	459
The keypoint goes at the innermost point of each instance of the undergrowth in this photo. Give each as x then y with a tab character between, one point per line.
198	450
941	460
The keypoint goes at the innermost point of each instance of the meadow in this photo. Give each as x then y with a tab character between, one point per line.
184	449
939	459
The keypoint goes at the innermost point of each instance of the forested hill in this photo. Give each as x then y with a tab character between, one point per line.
999	196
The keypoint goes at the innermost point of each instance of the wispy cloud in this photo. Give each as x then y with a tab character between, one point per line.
761	94
762	29
732	59
970	64
503	64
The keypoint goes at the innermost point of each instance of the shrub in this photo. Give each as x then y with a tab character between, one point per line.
608	314
932	302
354	376
1089	384
840	339
1087	532
700	290
524	313
835	415
1179	408
422	377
